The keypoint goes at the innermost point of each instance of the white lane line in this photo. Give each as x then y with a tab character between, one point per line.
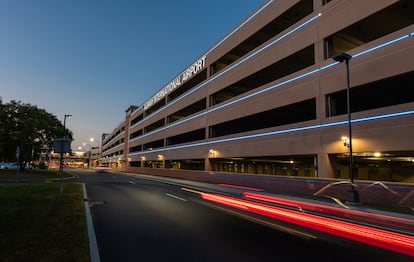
132	182
176	197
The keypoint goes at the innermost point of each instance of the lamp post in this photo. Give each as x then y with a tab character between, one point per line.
61	151
89	154
99	149
341	58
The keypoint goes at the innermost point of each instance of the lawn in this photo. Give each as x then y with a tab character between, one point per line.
39	223
31	175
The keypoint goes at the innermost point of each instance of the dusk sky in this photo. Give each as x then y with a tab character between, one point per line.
94	58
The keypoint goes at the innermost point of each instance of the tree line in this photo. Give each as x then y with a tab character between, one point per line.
28	127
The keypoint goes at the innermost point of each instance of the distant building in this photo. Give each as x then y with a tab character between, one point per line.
269	99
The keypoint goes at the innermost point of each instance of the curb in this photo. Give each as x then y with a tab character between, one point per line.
59	179
93	244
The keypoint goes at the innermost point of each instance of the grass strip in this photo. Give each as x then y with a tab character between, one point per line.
39	223
31	175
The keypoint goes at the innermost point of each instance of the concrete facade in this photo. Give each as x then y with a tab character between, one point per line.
276	107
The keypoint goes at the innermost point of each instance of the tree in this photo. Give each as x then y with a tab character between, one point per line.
28	127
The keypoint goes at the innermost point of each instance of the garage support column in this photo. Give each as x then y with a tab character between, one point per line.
207	164
325	168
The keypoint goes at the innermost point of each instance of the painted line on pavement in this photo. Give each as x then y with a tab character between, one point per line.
93	244
176	197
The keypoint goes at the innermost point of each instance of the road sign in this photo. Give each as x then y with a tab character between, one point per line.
18	154
61	145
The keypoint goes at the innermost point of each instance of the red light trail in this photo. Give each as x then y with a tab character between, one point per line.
385	220
368	235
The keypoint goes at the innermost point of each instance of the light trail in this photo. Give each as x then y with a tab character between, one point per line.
241	187
397	222
388	240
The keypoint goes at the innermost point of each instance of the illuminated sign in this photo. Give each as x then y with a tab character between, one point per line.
191	71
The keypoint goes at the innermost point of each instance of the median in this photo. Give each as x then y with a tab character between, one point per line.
38	222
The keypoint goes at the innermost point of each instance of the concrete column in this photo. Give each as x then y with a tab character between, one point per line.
207	165
326	166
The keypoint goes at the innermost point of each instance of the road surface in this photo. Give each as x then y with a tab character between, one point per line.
140	219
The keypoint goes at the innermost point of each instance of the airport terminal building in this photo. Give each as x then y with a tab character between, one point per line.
269	99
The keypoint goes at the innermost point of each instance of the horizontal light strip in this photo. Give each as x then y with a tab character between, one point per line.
105	159
113	148
265	47
238	63
240	26
283	131
382	45
271	87
229	35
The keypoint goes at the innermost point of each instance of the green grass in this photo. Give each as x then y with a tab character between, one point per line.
31	175
39	223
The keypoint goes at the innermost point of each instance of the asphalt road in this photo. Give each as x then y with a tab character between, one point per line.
137	219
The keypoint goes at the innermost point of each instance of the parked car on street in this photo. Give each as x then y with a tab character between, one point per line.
3	165
9	166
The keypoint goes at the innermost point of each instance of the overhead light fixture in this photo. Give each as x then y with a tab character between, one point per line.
345	141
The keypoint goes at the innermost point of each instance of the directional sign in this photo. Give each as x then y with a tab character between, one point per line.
61	145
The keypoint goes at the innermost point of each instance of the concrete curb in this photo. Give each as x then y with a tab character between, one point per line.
93	244
59	179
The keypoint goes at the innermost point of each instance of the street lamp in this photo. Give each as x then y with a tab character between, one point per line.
61	151
98	147
89	154
340	58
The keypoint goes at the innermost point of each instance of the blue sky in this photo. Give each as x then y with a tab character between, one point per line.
94	58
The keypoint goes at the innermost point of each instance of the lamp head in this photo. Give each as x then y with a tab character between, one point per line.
342	57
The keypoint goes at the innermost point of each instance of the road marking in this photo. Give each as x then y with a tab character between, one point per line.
176	197
264	222
191	190
132	182
95	203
